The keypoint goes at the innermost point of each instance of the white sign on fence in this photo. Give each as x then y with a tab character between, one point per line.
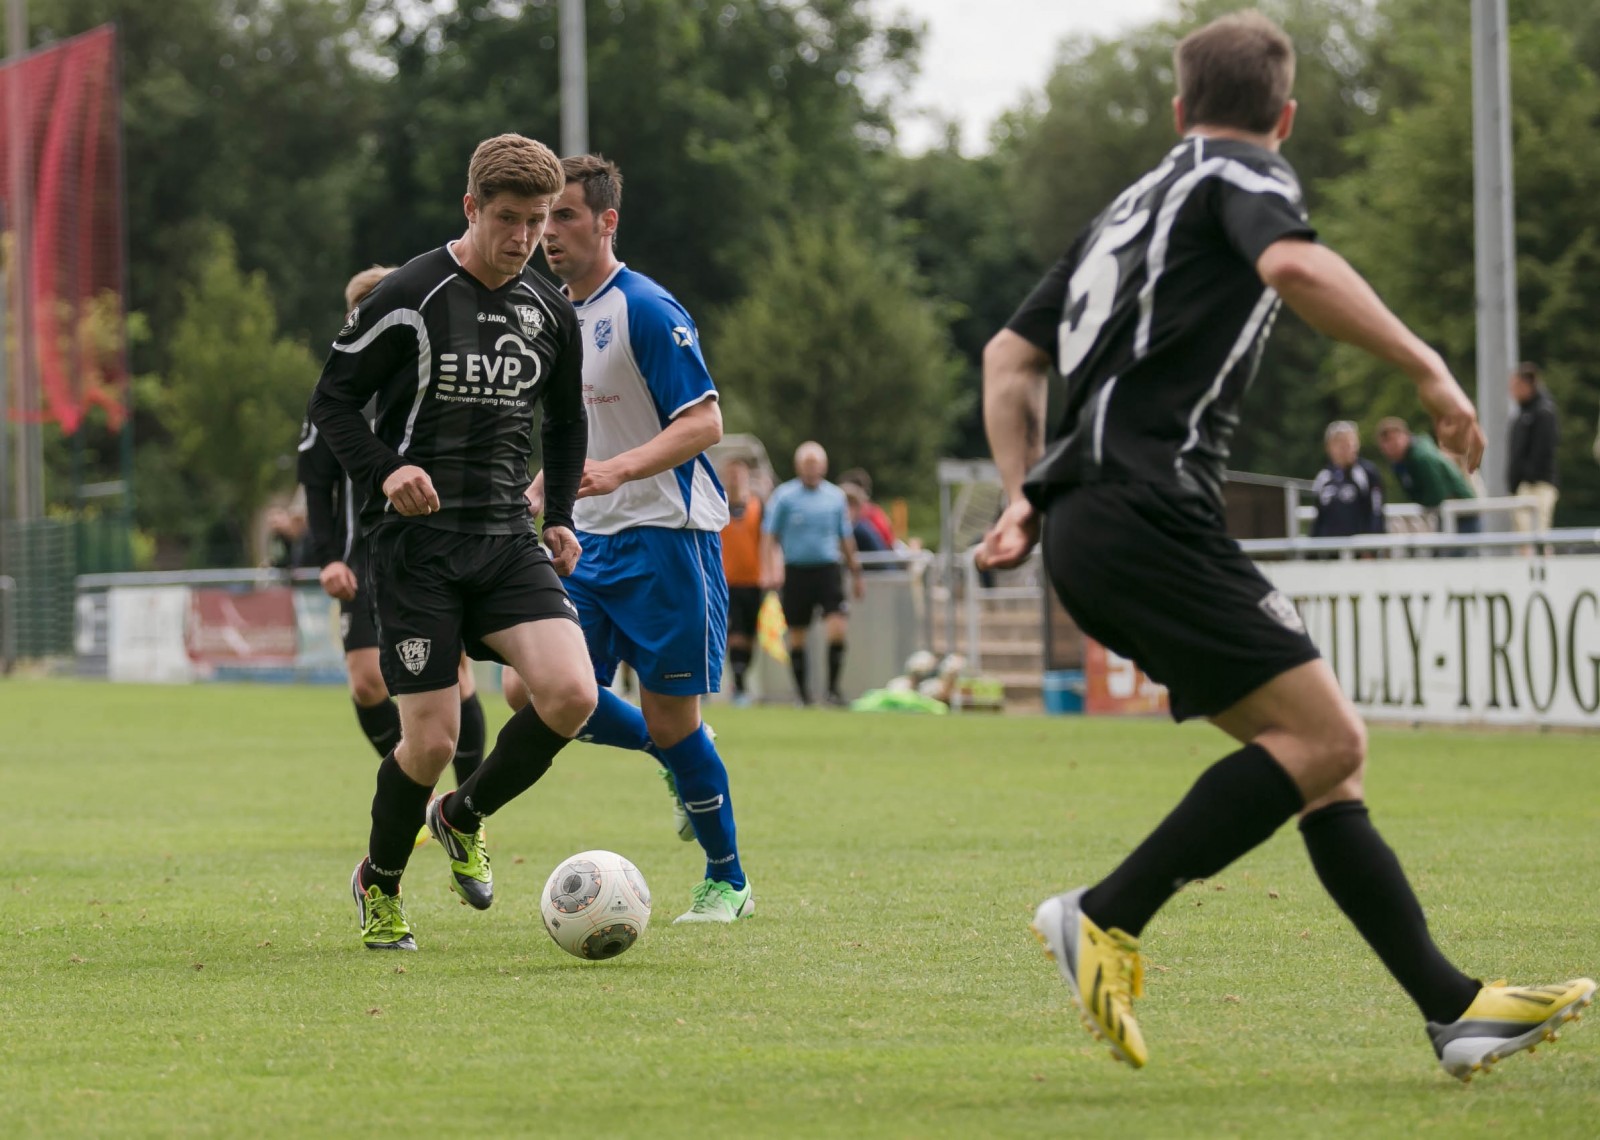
1498	640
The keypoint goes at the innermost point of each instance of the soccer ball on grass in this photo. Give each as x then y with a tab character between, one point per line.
595	905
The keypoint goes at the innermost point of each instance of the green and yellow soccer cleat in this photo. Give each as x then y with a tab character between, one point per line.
470	874
1503	1020
680	814
1102	969
382	917
713	901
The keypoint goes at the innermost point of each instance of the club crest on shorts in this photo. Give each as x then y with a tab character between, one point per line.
531	320
344	627
414	653
1281	610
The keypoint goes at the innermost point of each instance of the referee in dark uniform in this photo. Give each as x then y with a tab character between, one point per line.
1156	317
459	346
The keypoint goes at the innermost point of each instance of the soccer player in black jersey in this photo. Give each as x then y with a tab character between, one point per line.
336	547
458	346
1156	318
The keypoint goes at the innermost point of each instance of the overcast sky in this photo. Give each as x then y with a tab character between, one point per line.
975	66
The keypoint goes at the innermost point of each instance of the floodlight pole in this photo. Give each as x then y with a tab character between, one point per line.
574	80
1493	200
29	473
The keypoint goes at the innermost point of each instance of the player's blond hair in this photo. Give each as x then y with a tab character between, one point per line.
1236	72
513	164
363	283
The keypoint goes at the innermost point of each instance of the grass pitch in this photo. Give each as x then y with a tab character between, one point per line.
178	954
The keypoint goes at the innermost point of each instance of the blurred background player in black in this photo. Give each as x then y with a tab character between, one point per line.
1531	458
459	346
1156	317
1349	490
334	545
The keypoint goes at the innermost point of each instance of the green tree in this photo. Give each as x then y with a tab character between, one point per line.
232	399
1406	219
248	113
722	118
835	343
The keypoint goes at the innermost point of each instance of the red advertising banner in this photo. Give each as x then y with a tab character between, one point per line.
1115	686
227	627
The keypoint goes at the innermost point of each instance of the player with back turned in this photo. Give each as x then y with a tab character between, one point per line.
459	345
1156	317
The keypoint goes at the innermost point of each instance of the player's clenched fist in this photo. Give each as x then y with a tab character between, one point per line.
564	548
410	491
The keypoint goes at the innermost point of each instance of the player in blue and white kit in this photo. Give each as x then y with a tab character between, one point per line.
649	588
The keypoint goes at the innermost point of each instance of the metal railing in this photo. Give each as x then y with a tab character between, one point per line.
8	623
1405	543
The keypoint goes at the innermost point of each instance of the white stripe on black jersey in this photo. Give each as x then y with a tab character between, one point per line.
1157	317
457	369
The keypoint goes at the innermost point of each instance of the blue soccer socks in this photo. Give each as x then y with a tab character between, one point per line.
703	784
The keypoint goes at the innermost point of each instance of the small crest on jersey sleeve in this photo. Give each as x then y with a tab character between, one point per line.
531	320
350	322
682	336
602	333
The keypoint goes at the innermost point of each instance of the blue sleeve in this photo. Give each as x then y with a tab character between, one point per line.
772	514
845	529
666	346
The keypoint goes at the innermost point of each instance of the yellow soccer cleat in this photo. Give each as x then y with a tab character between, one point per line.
1503	1020
1102	969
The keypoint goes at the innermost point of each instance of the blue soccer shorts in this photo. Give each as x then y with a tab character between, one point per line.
657	599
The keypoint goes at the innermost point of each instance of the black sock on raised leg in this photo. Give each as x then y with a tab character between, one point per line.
380	724
469	741
1233	807
398	808
1362	874
522	753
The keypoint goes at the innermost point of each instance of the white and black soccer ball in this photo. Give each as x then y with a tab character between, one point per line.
595	905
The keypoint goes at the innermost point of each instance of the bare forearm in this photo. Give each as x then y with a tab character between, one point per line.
680	441
1014	391
1334	299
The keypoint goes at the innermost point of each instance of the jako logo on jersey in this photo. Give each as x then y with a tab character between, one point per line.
489	374
351	321
414	653
682	336
602	333
1281	610
498	318
531	319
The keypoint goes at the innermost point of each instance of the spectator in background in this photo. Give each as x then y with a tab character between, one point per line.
741	565
1349	489
808	520
874	515
1531	461
286	534
1427	474
868	540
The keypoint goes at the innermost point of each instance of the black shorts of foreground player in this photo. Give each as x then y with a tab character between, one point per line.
1156	318
459	346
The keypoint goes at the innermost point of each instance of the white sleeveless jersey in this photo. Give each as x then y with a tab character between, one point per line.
642	367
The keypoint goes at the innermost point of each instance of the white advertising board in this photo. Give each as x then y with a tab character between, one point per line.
146	634
1491	640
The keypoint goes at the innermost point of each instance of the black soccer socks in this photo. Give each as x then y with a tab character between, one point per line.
739	658
398	807
802	686
1234	806
381	724
522	753
835	665
1363	876
469	741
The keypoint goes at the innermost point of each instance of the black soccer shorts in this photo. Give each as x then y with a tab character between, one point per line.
358	627
436	591
1152	576
807	589
744	610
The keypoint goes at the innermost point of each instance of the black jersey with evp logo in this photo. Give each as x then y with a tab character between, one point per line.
457	369
1157	317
